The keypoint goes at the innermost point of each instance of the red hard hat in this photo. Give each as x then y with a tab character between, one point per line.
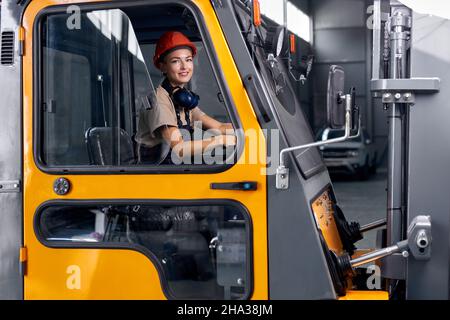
169	41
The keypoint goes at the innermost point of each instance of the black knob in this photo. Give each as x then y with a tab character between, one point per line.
343	266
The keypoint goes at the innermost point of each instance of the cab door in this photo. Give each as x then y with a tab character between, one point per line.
97	223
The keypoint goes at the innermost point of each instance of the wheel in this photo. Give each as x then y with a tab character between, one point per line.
364	172
373	167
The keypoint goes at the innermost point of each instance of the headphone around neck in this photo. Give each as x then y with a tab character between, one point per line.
181	97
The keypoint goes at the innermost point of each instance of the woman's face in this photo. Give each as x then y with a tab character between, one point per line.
178	66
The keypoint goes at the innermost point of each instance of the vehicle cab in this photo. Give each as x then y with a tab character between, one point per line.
94	223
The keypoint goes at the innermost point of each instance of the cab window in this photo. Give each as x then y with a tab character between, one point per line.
287	108
98	83
202	250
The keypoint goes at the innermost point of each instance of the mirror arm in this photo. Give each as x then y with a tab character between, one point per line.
321	143
282	178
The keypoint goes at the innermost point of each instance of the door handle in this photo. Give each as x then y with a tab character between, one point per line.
242	186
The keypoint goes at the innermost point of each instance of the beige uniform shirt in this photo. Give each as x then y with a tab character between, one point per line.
163	114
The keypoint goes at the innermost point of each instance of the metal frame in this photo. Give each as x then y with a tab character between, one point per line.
11	155
422	85
412	171
428	159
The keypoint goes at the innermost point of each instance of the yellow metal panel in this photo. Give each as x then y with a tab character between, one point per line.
21	34
91	274
121	273
366	295
23	255
323	211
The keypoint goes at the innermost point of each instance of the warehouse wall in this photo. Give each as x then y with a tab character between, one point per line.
304	90
341	36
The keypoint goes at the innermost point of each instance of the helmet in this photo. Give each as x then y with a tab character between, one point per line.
170	41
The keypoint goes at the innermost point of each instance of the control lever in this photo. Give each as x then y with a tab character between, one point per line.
418	243
373	225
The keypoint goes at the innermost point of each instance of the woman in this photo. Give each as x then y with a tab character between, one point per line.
169	124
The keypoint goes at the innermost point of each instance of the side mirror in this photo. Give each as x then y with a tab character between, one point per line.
342	114
335	101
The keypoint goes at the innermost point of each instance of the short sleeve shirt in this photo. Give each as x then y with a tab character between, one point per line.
163	114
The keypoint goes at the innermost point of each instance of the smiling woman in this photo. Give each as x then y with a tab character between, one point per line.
169	125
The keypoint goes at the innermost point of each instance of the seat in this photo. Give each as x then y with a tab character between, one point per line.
109	146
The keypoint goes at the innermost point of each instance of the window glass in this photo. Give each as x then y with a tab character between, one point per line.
203	250
89	73
297	21
99	88
287	109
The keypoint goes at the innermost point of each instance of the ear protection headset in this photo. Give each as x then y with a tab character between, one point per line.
182	98
185	98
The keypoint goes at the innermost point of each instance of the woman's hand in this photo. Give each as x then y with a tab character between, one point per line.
226	140
227	128
172	136
209	123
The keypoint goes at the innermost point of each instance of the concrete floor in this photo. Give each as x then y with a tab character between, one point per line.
362	201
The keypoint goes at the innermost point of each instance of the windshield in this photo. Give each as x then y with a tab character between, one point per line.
288	111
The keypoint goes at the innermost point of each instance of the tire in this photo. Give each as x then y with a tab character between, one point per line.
373	167
364	172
